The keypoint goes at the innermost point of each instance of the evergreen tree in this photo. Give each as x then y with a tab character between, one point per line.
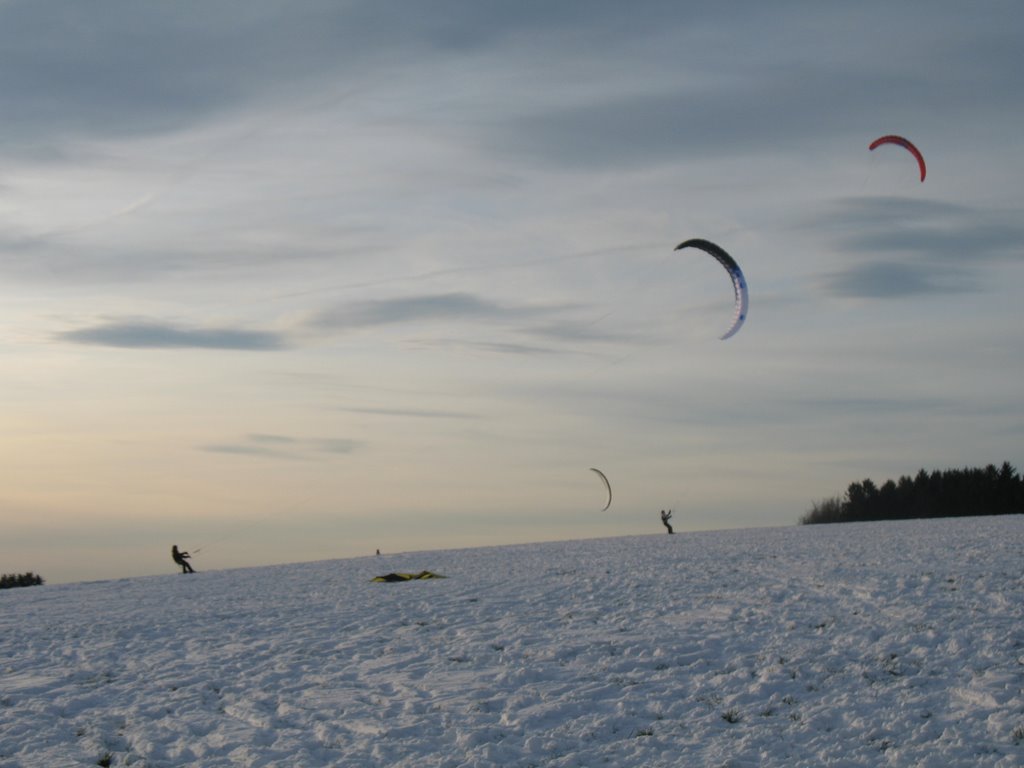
950	493
9	580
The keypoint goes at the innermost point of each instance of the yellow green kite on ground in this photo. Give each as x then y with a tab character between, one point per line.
408	576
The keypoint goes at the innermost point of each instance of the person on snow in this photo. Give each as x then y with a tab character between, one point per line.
181	558
665	516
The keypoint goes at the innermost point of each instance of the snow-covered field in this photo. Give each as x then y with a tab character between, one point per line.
888	644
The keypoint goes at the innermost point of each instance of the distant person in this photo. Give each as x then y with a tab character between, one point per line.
378	553
181	558
665	517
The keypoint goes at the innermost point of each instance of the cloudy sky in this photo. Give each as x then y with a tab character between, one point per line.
286	281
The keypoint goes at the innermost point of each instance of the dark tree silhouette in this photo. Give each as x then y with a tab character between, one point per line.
9	580
942	493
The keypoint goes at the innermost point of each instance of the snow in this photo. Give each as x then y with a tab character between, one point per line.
883	644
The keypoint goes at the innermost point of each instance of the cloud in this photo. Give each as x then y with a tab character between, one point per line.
879	210
506	347
248	450
273	446
882	280
117	68
416	413
930	247
525	324
930	228
258	437
142	334
335	445
114	68
871	406
750	81
417	309
592	331
786	107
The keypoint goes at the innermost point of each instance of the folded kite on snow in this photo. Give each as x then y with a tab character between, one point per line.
408	576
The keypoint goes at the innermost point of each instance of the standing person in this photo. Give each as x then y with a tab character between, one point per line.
181	558
665	517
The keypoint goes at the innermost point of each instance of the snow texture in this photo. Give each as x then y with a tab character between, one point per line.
882	644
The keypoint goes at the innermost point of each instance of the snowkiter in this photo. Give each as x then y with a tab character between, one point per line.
665	517
181	558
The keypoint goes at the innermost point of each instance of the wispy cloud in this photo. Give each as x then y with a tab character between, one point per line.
927	228
123	79
489	347
916	247
145	334
416	413
419	309
239	449
574	331
881	280
272	446
712	113
872	406
333	445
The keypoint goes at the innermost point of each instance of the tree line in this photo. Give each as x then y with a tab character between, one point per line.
943	493
9	580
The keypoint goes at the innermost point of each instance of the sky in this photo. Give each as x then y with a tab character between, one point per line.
290	281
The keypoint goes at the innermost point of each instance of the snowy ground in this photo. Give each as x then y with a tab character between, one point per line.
898	644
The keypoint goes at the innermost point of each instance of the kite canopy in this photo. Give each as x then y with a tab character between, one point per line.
906	144
739	283
607	485
408	576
